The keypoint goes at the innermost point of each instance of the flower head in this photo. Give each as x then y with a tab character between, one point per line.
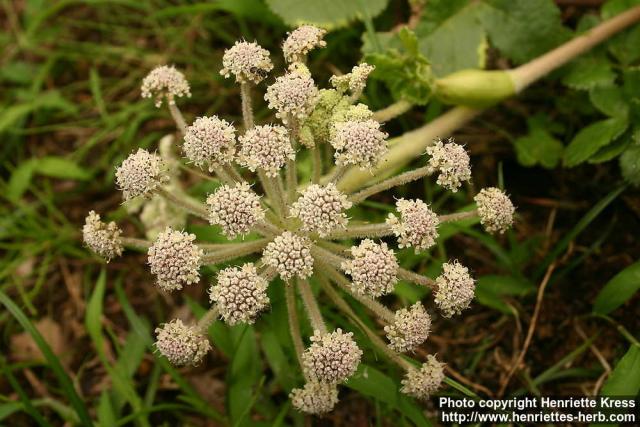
301	41
240	295
248	62
290	255
314	398
181	344
355	81
236	209
209	141
456	289
175	259
294	94
417	225
331	357
102	238
266	148
165	81
360	143
451	161
495	210
321	209
140	174
422	383
373	268
410	328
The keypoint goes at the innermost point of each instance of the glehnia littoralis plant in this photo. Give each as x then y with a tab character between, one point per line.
302	226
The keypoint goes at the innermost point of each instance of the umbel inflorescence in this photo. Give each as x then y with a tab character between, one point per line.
307	236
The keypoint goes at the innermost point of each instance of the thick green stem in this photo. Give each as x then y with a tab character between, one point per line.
361	231
528	73
412	144
247	110
294	325
206	320
178	118
395	181
236	251
190	206
311	306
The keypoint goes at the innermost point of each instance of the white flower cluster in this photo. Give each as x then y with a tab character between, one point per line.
175	259
417	226
236	209
321	209
165	81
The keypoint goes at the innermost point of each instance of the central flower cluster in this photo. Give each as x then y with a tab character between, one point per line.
303	225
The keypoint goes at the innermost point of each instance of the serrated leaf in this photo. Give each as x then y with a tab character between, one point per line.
611	151
609	100
590	139
589	72
618	290
538	147
325	13
523	29
452	37
630	164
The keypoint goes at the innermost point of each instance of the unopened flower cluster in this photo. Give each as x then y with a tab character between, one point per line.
302	225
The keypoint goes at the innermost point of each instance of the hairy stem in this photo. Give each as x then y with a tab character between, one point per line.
401	179
375	339
337	173
207	320
272	190
292	181
231	171
222	174
190	206
294	325
374	306
135	243
177	117
247	110
361	231
311	306
416	278
317	164
239	250
458	216
392	111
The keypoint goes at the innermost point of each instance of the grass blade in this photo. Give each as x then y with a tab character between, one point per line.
55	365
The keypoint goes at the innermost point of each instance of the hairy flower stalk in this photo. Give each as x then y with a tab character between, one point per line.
302	234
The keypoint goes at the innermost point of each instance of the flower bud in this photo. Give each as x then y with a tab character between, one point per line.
209	141
236	209
422	383
175	259
373	268
181	344
321	209
410	328
315	398
240	295
495	210
102	238
332	357
290	255
140	174
455	289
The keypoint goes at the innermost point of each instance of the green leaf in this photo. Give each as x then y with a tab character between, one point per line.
59	167
244	372
589	72
20	180
609	100
624	46
405	71
618	290
491	290
538	147
53	362
523	29
373	383
625	378
325	13
612	150
452	37
630	164
590	139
